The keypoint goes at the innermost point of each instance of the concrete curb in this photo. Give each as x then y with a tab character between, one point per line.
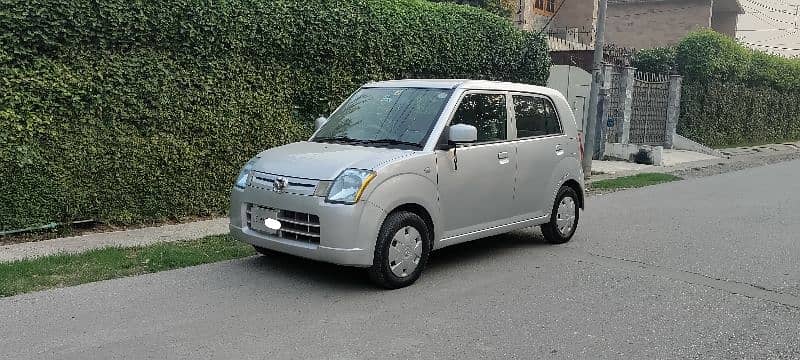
125	238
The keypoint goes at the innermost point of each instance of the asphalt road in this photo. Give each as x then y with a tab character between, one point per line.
704	268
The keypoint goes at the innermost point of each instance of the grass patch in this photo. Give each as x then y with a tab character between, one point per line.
72	269
635	181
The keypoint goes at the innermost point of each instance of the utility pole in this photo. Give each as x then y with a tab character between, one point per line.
595	107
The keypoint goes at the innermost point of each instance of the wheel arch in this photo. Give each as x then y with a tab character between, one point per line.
420	211
574	185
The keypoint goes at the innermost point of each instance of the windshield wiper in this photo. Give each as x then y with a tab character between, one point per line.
389	142
337	139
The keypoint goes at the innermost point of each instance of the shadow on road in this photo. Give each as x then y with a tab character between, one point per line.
324	275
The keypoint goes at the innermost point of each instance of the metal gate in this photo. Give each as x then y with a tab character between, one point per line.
616	106
649	109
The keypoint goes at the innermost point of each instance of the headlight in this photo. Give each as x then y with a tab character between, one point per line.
241	180
349	185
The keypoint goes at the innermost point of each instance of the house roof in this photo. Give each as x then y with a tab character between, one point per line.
719	5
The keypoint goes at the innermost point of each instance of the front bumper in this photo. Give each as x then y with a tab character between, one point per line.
347	232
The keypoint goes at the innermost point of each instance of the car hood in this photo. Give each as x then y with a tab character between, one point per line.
323	161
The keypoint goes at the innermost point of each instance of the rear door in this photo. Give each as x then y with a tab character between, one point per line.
540	145
478	192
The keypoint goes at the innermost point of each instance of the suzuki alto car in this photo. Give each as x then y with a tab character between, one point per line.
406	167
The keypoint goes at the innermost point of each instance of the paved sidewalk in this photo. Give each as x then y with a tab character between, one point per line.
125	238
682	161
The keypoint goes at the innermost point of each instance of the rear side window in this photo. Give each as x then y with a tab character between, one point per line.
536	116
486	112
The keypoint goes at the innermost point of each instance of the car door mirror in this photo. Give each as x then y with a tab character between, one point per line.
462	133
320	122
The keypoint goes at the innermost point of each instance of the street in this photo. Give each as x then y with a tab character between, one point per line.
702	268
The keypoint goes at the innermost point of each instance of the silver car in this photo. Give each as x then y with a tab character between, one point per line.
406	167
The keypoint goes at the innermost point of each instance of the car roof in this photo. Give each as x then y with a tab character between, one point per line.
465	84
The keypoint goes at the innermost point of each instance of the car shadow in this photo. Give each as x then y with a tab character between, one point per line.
330	276
479	250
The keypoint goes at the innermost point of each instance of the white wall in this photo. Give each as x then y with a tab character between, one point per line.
574	83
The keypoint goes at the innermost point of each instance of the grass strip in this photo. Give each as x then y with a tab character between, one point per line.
634	181
72	269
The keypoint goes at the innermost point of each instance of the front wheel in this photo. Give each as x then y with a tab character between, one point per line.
563	218
401	251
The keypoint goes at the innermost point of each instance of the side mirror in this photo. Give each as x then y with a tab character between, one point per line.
462	133
320	122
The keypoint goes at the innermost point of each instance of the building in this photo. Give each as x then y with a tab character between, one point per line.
574	20
653	23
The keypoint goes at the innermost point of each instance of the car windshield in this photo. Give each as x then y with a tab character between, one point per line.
394	117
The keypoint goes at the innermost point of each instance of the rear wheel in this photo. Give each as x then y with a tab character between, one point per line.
401	251
563	218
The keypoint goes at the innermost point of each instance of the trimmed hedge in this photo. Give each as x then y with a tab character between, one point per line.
128	112
731	94
731	114
504	8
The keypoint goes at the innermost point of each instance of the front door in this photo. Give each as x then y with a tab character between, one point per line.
476	192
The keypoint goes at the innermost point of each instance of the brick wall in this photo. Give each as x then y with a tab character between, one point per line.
577	14
646	25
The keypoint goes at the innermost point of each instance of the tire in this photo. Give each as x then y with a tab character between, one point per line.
401	250
554	232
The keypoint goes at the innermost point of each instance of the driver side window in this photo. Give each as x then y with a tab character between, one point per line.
487	113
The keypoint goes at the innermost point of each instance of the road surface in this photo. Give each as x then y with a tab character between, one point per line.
704	268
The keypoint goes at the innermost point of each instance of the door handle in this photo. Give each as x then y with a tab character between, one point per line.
559	150
502	155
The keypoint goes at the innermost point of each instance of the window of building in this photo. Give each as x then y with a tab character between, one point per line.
546	7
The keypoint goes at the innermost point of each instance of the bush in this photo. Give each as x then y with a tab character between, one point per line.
731	95
129	112
504	8
656	60
730	114
706	56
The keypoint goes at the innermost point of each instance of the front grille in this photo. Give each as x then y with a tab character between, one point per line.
297	186
299	225
295	225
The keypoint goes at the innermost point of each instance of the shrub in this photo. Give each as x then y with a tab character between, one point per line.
732	95
730	114
125	111
504	8
657	60
707	56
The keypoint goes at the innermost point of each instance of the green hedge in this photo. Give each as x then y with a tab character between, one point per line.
730	114
124	111
731	94
504	8
657	60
